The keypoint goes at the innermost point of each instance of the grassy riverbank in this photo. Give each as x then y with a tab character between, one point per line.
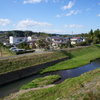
40	82
79	57
12	64
84	87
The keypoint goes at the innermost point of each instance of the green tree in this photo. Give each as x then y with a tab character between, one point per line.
91	34
23	45
97	36
42	43
68	44
1	45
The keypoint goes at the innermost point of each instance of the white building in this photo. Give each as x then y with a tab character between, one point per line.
16	40
31	38
76	40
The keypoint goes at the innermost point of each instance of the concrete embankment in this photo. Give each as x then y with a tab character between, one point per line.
22	73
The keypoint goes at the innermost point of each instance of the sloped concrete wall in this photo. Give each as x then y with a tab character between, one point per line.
22	73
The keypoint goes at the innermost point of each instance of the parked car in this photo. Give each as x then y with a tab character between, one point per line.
20	50
13	48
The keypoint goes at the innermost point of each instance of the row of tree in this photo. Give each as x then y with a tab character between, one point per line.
19	33
93	37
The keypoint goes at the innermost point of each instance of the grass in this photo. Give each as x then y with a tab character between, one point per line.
5	53
79	57
39	82
70	89
13	64
84	87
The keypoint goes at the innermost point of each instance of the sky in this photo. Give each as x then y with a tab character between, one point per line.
50	16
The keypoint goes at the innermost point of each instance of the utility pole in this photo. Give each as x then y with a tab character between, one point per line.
72	33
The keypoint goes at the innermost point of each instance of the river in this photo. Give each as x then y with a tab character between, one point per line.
7	89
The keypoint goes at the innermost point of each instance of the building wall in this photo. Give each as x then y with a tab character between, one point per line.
16	40
74	41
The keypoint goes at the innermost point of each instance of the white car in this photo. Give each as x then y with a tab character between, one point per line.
13	48
20	50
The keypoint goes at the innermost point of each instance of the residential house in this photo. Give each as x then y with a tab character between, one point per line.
57	41
76	40
16	40
31	40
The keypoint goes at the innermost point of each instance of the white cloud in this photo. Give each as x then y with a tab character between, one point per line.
73	26
72	12
31	1
46	0
99	15
4	22
55	1
58	16
38	1
88	9
32	23
69	6
99	3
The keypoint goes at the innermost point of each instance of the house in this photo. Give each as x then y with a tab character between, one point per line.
6	44
57	41
76	40
32	38
16	40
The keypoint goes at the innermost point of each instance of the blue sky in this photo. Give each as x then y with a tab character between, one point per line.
50	16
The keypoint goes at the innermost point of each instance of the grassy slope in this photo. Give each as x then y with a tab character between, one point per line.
27	61
79	57
68	90
5	53
40	82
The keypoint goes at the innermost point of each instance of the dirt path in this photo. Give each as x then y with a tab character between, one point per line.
15	95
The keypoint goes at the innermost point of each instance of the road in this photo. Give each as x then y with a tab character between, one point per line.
39	52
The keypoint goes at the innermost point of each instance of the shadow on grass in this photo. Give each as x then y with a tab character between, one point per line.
67	53
97	45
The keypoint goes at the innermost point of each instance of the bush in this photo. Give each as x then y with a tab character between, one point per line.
68	44
23	45
82	44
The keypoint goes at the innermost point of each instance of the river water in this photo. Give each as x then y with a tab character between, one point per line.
7	89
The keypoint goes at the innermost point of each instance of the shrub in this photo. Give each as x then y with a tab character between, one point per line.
82	44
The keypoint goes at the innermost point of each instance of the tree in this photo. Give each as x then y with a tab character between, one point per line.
97	36
91	35
1	45
42	43
68	44
28	33
23	45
